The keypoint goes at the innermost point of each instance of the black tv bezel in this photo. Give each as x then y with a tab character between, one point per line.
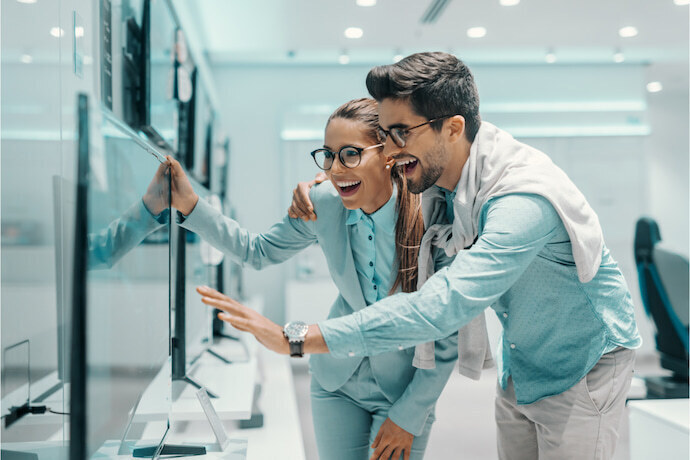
78	366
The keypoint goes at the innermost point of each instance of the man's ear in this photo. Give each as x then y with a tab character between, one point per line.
456	125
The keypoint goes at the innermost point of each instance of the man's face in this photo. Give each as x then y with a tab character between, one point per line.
423	155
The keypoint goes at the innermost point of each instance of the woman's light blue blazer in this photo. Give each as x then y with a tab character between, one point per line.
412	392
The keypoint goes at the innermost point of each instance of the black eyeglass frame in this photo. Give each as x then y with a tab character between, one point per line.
339	154
400	139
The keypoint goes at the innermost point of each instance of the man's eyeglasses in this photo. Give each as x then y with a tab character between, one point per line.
349	156
399	134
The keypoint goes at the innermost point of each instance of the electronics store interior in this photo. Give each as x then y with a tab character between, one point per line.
174	282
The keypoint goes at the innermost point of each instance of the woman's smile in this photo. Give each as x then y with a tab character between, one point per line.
347	187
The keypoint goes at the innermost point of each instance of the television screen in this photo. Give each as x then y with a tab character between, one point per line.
161	125
124	64
203	134
195	265
197	315
121	380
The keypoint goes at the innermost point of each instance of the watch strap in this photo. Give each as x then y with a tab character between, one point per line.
296	349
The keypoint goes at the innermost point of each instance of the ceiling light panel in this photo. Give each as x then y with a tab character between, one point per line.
627	31
354	32
476	32
654	86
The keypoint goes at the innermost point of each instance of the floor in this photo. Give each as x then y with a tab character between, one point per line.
471	431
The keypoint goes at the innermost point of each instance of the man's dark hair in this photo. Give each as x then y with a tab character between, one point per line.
435	84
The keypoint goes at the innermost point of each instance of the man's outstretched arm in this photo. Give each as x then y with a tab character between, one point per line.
516	229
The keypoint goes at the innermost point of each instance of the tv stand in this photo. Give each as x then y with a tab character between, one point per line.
190	381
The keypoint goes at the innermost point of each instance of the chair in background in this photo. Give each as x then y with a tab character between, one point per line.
663	277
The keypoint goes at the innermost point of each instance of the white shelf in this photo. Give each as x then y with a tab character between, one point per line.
281	435
659	428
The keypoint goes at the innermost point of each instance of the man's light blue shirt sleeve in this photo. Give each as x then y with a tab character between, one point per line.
515	229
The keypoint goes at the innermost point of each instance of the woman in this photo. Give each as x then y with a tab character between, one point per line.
380	401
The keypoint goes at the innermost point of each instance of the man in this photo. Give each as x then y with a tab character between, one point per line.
529	246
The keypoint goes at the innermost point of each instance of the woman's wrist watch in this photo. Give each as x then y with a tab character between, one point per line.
295	332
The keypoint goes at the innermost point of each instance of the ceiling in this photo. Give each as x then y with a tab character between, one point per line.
312	31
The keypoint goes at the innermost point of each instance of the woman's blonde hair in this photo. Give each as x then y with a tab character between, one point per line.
409	228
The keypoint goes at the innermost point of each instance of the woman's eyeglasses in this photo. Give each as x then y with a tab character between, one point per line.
399	134
349	156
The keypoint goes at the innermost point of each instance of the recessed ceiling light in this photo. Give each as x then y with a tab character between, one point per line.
28	2
509	2
627	31
681	2
654	86
550	57
344	58
57	32
354	32
476	32
618	57
26	59
366	2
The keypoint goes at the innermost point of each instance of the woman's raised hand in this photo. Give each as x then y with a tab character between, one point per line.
156	196
243	318
184	199
302	207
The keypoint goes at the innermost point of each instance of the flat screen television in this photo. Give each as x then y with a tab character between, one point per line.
161	32
120	368
125	74
203	134
192	320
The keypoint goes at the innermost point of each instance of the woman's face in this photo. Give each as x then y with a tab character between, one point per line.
367	186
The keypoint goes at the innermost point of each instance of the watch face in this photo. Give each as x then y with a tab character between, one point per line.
296	329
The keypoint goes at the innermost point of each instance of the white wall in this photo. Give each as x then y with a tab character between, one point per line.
623	177
666	152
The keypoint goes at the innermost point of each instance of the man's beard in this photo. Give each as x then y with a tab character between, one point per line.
436	161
